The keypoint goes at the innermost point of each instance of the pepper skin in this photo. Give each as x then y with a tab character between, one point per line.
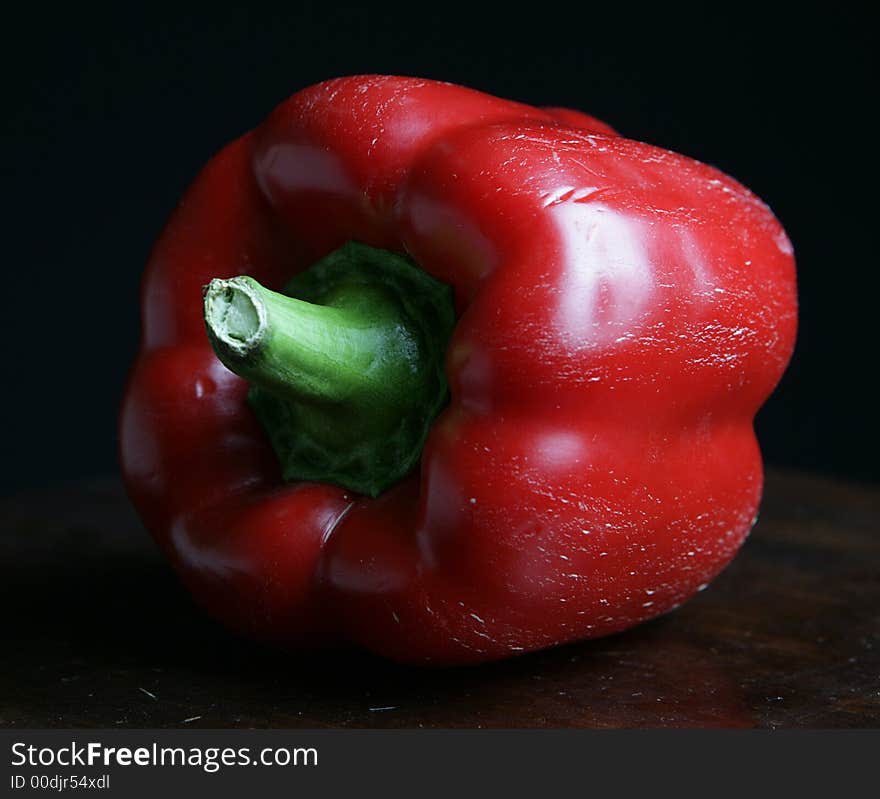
623	312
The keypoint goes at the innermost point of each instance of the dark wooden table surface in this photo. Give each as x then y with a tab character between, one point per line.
97	633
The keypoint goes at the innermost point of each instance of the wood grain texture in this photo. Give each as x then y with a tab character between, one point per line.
97	633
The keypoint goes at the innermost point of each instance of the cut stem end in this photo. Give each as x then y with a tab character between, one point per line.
235	314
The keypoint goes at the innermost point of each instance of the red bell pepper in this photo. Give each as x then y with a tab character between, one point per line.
620	314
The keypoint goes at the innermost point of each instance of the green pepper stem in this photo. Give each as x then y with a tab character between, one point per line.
346	366
288	346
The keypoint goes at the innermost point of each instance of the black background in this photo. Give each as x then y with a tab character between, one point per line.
108	114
